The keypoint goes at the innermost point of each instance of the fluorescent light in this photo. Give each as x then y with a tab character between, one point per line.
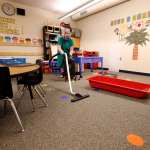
81	8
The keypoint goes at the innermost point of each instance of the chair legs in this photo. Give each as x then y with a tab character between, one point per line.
16	113
42	98
20	92
42	90
38	90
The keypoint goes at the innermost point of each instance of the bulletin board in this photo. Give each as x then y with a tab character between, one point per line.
11	34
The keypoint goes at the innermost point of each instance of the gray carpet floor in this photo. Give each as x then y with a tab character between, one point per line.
101	122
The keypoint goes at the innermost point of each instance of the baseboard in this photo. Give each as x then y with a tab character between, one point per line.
134	72
103	68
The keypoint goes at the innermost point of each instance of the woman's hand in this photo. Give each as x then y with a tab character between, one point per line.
60	50
71	53
71	50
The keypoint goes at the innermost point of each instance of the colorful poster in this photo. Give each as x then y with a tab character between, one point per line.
134	30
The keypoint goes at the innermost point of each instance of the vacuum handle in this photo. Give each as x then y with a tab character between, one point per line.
68	73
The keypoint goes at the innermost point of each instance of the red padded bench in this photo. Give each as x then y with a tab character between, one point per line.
125	87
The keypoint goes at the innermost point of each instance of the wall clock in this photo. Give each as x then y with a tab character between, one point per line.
8	9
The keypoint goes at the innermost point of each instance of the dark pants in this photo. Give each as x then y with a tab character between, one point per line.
71	67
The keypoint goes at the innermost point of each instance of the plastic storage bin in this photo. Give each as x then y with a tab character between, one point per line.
125	87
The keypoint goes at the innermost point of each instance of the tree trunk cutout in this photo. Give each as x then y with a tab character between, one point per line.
135	52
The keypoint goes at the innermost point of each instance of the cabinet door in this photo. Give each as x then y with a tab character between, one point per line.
54	49
76	42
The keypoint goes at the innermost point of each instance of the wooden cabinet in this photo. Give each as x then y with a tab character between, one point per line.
76	42
50	40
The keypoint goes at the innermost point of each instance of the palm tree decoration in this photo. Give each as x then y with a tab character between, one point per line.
137	37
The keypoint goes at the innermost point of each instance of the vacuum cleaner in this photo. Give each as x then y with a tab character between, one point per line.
76	96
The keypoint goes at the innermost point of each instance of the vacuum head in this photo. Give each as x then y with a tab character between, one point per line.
78	97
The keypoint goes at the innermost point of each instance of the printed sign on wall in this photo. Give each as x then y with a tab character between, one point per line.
9	26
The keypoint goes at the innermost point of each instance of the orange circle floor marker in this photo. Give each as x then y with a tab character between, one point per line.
135	140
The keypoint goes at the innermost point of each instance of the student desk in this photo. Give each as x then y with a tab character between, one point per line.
18	70
83	60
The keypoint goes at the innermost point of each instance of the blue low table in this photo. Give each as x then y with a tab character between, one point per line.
84	60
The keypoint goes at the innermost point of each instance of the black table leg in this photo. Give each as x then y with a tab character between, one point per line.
30	91
5	108
31	95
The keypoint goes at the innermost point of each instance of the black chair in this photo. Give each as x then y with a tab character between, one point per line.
31	82
6	93
40	63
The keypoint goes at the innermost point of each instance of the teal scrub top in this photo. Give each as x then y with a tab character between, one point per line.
65	44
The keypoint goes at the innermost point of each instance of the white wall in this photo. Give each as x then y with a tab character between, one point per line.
97	34
32	25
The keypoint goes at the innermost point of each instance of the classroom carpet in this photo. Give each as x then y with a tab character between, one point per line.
104	121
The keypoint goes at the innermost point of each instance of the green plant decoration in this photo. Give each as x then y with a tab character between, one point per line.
137	38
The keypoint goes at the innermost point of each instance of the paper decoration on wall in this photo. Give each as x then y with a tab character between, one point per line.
144	15
131	18
19	41
34	41
128	19
148	13
15	40
22	41
37	41
7	39
40	41
28	41
147	24
134	18
122	20
139	16
134	30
